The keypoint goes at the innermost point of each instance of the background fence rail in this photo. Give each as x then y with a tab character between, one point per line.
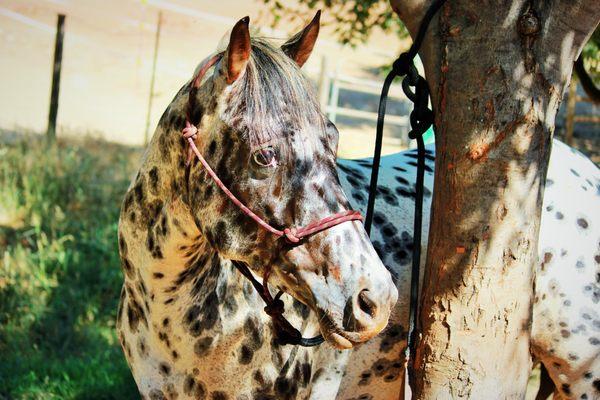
571	113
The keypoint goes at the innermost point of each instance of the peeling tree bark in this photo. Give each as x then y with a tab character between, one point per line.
497	71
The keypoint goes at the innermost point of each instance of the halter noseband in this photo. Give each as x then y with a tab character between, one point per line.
284	331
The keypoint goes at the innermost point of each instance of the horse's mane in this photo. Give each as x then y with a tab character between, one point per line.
272	98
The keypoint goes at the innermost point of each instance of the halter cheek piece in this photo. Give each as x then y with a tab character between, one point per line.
285	333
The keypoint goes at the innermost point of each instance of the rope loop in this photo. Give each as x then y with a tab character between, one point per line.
420	125
407	90
401	64
412	75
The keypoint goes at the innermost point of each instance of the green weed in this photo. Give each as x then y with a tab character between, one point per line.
59	269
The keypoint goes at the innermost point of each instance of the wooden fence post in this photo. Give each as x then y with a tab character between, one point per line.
152	78
57	65
334	97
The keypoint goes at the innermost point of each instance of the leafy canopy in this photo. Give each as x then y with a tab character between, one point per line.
354	20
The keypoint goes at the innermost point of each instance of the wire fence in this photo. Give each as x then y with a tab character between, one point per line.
121	69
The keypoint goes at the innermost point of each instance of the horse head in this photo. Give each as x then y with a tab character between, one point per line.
261	130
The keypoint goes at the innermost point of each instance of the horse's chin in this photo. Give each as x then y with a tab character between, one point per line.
338	341
336	336
330	327
342	339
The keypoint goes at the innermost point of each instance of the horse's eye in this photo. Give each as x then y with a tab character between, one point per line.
265	157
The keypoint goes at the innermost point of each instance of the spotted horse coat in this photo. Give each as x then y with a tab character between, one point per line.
566	312
192	327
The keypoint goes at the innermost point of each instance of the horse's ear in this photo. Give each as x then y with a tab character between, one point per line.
238	50
299	46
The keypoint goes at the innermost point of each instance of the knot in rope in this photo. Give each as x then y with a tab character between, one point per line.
291	235
190	131
275	308
401	64
421	117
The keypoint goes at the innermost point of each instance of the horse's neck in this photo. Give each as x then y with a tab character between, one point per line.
176	262
185	256
164	251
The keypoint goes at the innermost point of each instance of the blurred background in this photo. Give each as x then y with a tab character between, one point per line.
122	63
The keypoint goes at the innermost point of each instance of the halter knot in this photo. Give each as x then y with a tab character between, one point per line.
190	133
290	235
401	65
276	307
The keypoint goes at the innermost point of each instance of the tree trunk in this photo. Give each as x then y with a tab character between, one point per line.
497	72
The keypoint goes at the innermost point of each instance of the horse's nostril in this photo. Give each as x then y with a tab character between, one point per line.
366	304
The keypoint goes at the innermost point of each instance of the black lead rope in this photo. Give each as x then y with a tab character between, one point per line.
284	332
421	118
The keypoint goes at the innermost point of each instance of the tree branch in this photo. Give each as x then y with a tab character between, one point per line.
586	81
410	12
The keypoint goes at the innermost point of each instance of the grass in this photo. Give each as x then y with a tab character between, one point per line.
59	269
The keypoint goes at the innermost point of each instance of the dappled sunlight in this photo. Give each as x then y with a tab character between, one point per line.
524	80
519	191
566	54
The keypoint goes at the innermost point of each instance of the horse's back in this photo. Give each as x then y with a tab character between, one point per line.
566	317
566	322
375	369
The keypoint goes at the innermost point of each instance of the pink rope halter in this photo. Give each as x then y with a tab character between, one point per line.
293	235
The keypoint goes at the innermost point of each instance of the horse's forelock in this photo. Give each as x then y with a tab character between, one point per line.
272	98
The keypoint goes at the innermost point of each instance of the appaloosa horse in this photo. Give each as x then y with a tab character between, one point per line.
192	327
190	324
